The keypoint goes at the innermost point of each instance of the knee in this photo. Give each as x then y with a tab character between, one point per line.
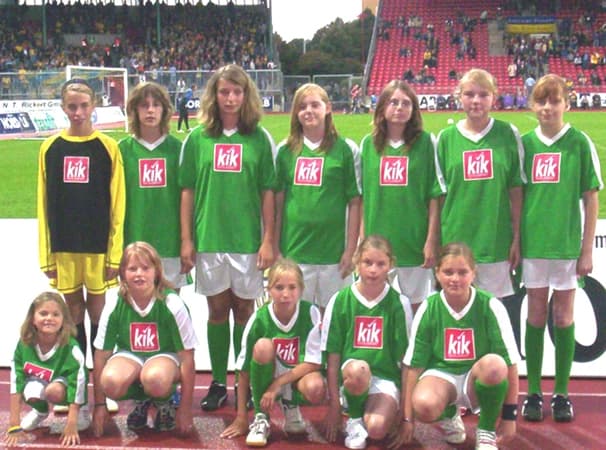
356	377
263	351
426	407
112	384
377	426
55	393
314	391
156	383
492	369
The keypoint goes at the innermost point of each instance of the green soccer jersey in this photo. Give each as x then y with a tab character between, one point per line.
165	326
476	173
295	343
153	194
375	332
64	362
452	342
560	170
396	190
318	187
228	175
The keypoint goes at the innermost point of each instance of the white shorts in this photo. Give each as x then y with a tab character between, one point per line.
459	382
416	283
495	278
172	272
379	386
217	272
322	281
560	274
141	361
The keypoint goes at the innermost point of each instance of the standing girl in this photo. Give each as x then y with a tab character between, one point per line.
145	346
227	212
151	162
281	357
48	367
398	171
563	167
365	334
318	198
479	174
80	209
462	352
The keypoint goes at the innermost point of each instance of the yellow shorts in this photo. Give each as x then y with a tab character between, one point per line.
75	270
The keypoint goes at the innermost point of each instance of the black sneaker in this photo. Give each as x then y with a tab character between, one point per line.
137	418
249	401
561	409
165	417
532	408
216	396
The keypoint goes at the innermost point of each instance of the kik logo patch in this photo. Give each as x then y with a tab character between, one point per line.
546	168
459	344
477	165
308	171
287	350
33	370
152	172
144	337
76	169
394	171
368	332
228	158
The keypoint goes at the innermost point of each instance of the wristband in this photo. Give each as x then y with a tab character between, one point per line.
14	429
509	411
99	404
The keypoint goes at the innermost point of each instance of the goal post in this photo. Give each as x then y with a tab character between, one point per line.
110	85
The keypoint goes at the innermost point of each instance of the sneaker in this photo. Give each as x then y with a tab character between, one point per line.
137	418
216	396
175	399
33	420
454	429
180	131
84	419
355	433
259	431
561	408
61	409
293	421
112	405
486	440
165	417
532	408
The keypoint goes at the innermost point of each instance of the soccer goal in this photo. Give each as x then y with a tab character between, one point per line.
111	89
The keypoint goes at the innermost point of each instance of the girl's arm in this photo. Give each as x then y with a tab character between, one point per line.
333	416
265	257
507	428
515	200
70	434
188	374
296	373
14	434
590	207
99	408
403	432
433	234
279	196
188	251
240	424
353	232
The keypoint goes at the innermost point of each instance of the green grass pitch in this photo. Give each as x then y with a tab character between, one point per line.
18	157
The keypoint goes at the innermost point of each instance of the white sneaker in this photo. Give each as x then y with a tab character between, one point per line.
33	420
60	409
259	431
112	405
355	433
454	429
84	418
293	421
486	440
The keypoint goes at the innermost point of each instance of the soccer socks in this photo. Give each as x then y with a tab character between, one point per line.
533	346
218	337
236	336
564	353
449	412
261	376
81	338
490	399
355	404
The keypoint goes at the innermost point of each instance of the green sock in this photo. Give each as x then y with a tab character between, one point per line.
449	412
261	376
490	399
564	354
236	336
355	404
217	335
533	346
40	405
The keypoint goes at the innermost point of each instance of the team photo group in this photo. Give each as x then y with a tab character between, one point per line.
367	278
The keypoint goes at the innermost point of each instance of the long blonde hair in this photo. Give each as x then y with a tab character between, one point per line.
28	330
144	252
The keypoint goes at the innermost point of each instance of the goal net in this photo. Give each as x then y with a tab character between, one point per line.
111	89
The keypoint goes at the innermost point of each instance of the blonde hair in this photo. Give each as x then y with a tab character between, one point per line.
250	112
481	77
549	86
145	252
295	138
78	85
281	267
28	330
413	128
138	96
377	242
